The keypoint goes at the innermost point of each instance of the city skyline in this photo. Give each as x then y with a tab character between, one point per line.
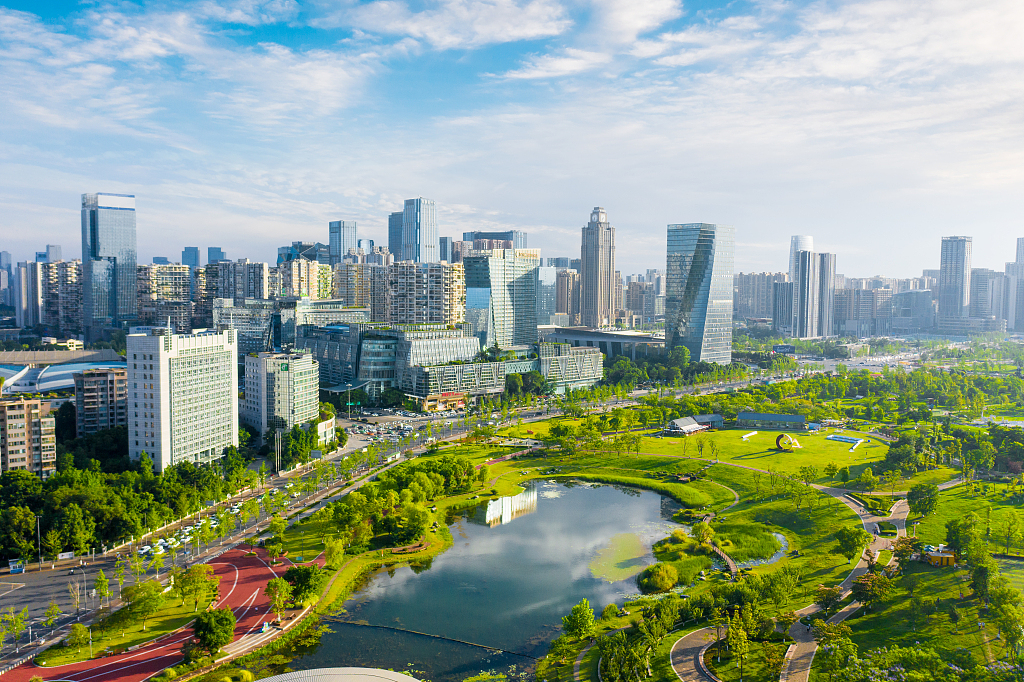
797	132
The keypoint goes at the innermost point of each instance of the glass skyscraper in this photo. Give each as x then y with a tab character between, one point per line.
419	231
501	296
698	303
395	236
342	238
109	262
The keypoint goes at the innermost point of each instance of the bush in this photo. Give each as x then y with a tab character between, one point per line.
657	578
170	674
609	612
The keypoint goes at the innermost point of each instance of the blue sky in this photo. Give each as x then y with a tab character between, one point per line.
875	126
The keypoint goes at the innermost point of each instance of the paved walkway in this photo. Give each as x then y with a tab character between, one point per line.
686	653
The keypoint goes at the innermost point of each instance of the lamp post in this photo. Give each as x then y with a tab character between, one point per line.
39	544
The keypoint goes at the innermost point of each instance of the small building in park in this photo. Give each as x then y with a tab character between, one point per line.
686	426
780	422
712	421
938	556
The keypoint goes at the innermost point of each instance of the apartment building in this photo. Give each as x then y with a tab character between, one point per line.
101	400
27	437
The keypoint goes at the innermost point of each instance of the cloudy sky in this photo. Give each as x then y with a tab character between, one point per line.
875	126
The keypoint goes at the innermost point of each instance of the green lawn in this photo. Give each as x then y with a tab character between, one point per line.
104	636
743	541
956	503
890	623
728	669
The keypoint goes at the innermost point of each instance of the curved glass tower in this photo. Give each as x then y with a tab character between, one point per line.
698	294
109	298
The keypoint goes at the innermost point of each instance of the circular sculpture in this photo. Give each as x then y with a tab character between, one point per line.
784	442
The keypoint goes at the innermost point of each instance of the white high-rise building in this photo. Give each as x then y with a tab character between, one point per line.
281	390
183	396
798	243
955	278
420	242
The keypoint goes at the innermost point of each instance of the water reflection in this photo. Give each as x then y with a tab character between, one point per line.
504	585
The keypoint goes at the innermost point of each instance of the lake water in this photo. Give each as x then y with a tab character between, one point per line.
516	567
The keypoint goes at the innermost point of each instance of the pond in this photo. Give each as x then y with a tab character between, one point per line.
516	567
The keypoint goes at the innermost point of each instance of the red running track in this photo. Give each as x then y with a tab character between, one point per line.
242	579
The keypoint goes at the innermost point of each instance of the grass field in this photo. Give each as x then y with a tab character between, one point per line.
622	558
728	669
956	503
891	623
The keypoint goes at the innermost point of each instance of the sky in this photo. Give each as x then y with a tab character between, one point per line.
875	126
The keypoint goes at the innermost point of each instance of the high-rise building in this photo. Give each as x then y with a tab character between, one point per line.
108	262
101	399
547	294
567	301
798	243
783	294
814	295
396	239
955	278
282	390
342	238
29	287
365	244
183	396
301	278
988	292
165	294
516	237
161	260
63	296
304	251
364	285
419	231
597	278
190	256
252	279
863	312
426	293
1020	250
754	294
6	278
51	255
215	254
501	296
251	319
698	283
29	440
561	262
444	250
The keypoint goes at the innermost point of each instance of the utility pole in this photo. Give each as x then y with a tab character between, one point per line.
277	451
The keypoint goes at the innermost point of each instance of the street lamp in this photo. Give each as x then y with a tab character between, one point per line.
39	544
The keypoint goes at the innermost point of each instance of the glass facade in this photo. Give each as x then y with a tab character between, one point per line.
698	305
419	231
501	296
395	245
342	238
109	260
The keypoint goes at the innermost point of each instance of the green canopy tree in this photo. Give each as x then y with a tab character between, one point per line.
214	629
580	621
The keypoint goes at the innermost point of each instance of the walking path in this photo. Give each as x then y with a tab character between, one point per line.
685	655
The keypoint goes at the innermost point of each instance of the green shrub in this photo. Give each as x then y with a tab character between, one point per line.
657	578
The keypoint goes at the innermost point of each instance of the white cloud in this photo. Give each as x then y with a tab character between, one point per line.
250	12
621	21
457	24
566	63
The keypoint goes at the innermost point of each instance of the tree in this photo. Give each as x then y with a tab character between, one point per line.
75	592
831	470
157	562
905	548
1011	527
828	598
14	622
334	550
892	479
195	583
850	541
214	629
660	577
278	591
610	612
702	533
78	637
872	588
146	599
808	473
836	655
51	615
739	645
923	498
560	647
306	582
580	621
102	587
277	525
52	543
955	617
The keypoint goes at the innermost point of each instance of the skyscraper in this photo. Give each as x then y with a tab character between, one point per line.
108	262
547	294
814	295
444	251
501	296
517	237
215	254
342	238
51	255
1020	250
955	278
597	279
798	243
395	236
698	285
419	231
190	256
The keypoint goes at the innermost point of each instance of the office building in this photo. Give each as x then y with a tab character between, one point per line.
567	295
782	307
955	278
365	244
101	399
183	396
251	319
698	297
342	238
754	297
6	278
426	293
516	237
215	254
798	243
304	251
109	260
597	277
444	252
161	260
27	437
988	293
501	296
190	256
814	295
419	231
52	254
395	235
282	390
547	294
558	262
28	288
863	313
913	312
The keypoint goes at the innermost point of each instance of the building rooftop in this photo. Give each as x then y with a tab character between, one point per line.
773	417
342	675
57	357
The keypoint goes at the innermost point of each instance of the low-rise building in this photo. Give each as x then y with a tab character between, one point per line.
101	399
28	439
760	420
